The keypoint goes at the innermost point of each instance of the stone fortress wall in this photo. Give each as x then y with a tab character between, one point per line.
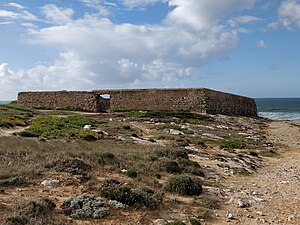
190	99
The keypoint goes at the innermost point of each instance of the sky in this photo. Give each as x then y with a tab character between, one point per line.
246	47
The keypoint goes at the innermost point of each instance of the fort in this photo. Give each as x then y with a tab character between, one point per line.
200	100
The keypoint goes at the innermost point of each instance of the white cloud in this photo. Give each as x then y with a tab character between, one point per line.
57	15
202	14
138	3
10	15
15	5
289	13
98	53
246	19
261	44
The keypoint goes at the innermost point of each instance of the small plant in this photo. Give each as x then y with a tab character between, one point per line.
252	153
171	167
132	173
107	158
12	181
89	137
232	144
185	185
126	127
17	220
84	207
194	221
26	133
158	175
36	208
189	166
130	197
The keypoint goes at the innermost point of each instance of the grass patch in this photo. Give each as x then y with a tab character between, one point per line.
13	115
69	126
232	144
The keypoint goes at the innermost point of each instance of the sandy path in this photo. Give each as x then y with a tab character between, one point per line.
272	196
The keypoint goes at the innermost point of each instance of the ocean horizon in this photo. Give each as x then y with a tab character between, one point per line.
279	108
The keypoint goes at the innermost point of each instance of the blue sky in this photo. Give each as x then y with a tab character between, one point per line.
247	47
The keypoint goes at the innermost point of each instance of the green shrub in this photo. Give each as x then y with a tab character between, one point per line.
27	134
107	158
194	221
132	173
89	137
129	197
189	166
185	185
126	127
36	208
171	167
17	220
233	144
252	153
12	181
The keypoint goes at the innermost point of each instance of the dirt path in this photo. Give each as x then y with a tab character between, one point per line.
272	196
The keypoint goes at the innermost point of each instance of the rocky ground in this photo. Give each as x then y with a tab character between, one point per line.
248	167
272	195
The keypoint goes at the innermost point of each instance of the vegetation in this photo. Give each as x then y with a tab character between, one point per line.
12	115
185	185
233	144
130	197
12	181
69	126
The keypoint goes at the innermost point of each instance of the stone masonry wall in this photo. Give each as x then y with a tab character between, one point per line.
229	104
74	100
156	99
192	99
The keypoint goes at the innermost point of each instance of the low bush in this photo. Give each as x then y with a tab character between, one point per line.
232	144
132	173
84	207
36	208
89	137
191	167
171	167
130	197
107	159
185	185
12	181
17	220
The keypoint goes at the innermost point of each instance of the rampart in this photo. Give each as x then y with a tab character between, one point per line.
191	99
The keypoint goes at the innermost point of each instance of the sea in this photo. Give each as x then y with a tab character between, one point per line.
279	108
4	102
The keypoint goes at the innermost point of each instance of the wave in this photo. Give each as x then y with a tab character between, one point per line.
280	115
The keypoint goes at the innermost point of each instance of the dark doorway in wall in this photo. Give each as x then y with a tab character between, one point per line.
103	102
